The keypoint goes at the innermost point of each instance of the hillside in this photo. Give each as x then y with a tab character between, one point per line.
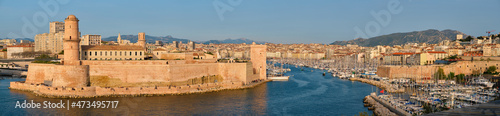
430	36
233	41
149	39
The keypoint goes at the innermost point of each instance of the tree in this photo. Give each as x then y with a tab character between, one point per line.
440	74
451	76
468	38
459	78
491	70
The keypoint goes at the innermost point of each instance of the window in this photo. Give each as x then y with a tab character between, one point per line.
130	53
90	53
140	53
115	53
105	53
135	53
85	53
120	54
101	55
96	53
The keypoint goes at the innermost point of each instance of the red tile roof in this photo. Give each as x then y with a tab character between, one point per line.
436	52
402	53
112	47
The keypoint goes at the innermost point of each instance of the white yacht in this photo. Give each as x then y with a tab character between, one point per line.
482	81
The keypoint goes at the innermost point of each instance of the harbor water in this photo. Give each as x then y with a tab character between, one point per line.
307	92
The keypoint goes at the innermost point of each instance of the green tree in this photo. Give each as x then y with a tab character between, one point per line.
491	70
451	76
468	38
440	74
459	78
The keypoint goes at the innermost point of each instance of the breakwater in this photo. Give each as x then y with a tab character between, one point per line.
378	109
383	85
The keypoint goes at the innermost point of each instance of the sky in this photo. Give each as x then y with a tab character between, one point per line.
275	21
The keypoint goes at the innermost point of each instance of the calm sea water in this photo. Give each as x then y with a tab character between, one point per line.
306	93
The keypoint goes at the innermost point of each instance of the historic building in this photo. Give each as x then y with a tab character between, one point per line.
112	52
74	77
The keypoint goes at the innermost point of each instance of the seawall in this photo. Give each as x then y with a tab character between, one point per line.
87	92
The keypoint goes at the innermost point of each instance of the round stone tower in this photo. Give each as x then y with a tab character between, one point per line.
142	39
71	42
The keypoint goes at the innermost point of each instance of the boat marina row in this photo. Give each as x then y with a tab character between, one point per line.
414	97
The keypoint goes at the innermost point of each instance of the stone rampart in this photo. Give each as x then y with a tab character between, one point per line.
58	75
418	72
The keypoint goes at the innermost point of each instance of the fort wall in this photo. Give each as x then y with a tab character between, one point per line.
58	75
417	72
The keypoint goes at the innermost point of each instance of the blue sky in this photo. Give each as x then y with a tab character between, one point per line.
277	21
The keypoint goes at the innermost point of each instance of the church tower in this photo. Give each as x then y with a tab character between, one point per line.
71	42
142	39
119	39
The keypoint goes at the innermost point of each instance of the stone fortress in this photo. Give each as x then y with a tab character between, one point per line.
76	77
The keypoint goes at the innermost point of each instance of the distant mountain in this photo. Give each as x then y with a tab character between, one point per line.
149	39
170	39
233	41
17	39
430	36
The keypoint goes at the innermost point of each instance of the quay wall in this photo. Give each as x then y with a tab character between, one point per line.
418	72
